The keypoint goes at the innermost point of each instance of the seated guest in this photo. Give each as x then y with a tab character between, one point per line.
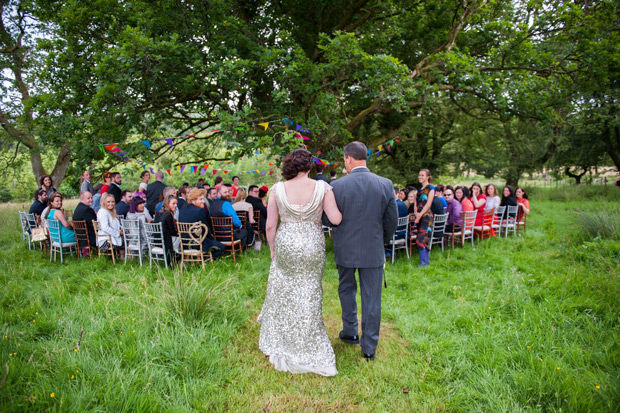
210	197
166	193
107	181
508	198
171	236
257	205
461	194
493	200
524	203
454	209
137	212
400	205
84	212
262	194
182	196
109	224
194	212
479	200
402	194
40	202
439	195
412	193
222	207
122	208
47	185
55	214
240	205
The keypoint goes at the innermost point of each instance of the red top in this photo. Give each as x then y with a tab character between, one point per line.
480	210
526	203
104	189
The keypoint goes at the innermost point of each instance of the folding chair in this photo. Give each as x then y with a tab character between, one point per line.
25	230
439	229
465	229
401	231
521	221
56	240
510	223
498	219
256	225
133	238
155	240
223	232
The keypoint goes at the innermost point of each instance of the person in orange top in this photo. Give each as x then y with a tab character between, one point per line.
523	202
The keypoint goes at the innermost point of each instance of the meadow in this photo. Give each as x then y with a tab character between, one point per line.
528	323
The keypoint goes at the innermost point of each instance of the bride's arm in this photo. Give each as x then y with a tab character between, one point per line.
272	222
331	209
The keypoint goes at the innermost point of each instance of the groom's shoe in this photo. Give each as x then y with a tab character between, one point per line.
349	339
369	357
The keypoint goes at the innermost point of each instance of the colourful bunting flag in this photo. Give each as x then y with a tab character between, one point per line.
169	140
270	172
264	125
147	144
168	170
182	168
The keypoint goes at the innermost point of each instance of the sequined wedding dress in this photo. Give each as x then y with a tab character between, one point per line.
292	332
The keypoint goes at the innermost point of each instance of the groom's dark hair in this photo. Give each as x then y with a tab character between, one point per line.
356	150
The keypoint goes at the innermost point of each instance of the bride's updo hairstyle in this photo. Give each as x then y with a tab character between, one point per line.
300	160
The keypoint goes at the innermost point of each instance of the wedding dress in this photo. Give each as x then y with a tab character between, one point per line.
292	331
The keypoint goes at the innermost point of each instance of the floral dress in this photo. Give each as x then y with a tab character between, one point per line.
425	225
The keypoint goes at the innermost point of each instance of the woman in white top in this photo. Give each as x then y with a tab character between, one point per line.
109	223
241	205
493	200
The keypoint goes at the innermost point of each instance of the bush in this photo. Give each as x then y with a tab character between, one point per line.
5	195
601	221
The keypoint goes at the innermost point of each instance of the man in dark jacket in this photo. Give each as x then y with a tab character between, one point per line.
83	212
153	191
257	205
115	186
40	202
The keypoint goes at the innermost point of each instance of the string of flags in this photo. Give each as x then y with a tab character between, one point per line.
300	133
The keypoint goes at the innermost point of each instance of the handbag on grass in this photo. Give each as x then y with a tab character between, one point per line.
39	234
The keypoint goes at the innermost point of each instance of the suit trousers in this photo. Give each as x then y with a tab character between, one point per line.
370	288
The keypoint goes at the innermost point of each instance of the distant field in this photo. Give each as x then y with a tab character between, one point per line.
518	324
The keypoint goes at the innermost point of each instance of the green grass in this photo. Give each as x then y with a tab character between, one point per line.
527	323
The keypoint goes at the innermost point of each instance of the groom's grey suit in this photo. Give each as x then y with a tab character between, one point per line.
369	218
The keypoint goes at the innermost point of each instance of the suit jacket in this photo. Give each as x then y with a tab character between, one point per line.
258	205
369	218
86	213
320	177
122	208
116	191
153	191
192	213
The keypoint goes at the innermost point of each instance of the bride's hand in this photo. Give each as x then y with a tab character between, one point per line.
273	253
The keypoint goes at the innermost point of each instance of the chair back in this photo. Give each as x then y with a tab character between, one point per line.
223	228
192	234
154	235
243	217
131	229
511	215
31	219
439	225
469	220
257	218
24	221
401	227
499	216
81	232
54	228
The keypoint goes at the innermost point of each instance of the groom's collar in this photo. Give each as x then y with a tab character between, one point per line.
360	169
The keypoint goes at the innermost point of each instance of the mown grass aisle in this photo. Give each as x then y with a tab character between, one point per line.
528	323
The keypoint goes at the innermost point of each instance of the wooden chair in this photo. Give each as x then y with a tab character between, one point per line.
439	230
191	235
56	243
256	225
132	238
106	237
521	220
401	230
411	233
486	229
464	230
81	234
243	217
223	232
155	240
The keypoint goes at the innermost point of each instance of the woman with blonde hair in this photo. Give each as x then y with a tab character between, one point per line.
240	204
169	228
109	224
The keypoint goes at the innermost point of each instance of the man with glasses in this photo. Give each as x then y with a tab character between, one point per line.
257	205
454	208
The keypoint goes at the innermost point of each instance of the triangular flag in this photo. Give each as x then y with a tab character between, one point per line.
305	138
169	140
214	171
397	140
144	167
168	170
206	166
262	172
151	171
202	171
110	147
380	147
270	172
147	144
181	169
299	127
285	120
264	125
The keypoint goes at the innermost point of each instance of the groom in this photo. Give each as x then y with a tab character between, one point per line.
369	218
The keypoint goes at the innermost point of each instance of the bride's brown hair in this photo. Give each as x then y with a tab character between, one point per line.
300	160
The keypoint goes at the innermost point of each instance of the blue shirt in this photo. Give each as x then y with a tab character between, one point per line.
443	201
228	210
402	208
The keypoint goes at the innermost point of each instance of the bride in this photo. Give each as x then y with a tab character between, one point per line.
292	332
